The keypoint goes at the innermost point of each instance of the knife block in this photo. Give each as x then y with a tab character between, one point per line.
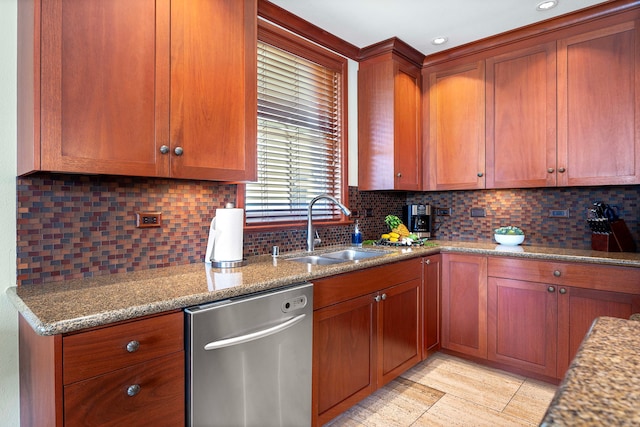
618	240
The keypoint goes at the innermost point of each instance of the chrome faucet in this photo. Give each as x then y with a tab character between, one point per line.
311	240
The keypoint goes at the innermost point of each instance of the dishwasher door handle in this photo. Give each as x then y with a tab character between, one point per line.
254	335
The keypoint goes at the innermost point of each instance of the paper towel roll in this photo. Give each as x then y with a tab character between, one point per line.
228	226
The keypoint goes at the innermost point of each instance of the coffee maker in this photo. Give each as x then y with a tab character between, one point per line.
418	219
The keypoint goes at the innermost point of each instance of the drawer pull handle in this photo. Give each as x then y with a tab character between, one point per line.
562	291
557	273
551	289
384	297
133	346
132	390
377	298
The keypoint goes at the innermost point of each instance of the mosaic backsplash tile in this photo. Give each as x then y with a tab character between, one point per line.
80	226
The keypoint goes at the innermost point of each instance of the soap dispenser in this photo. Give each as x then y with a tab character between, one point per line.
356	236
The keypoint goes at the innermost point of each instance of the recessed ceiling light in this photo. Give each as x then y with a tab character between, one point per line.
439	40
546	5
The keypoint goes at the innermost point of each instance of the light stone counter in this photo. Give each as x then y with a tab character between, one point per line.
602	385
68	306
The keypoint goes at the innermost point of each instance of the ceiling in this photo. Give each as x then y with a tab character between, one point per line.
417	22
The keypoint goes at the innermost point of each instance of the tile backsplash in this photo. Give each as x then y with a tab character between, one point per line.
72	226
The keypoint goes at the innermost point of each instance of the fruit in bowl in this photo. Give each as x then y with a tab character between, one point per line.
512	236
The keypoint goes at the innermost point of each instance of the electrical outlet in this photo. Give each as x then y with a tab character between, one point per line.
148	219
443	211
478	213
559	213
369	212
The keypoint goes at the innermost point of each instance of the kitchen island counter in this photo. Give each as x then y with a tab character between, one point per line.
71	305
601	385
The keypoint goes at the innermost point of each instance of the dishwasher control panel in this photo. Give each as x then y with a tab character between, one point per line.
294	303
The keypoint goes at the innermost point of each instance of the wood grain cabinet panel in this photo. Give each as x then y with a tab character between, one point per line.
454	104
389	114
361	342
165	88
464	304
431	278
521	118
599	107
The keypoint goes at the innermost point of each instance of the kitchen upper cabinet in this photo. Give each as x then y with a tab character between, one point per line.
431	283
367	331
599	107
163	88
389	99
464	304
521	118
454	138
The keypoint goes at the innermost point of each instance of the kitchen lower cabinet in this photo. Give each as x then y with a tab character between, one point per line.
540	311
367	331
431	282
143	88
130	372
464	304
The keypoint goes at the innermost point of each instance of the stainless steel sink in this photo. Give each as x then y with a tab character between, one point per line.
353	254
337	257
316	260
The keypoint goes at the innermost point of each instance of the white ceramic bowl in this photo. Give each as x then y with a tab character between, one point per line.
509	239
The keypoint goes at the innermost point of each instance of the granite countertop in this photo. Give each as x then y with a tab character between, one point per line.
601	385
61	307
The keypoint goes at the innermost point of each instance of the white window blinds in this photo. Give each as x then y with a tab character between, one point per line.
299	139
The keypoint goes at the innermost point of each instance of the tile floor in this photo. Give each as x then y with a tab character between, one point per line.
448	391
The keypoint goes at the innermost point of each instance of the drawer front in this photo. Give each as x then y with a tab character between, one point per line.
601	277
342	287
99	351
104	400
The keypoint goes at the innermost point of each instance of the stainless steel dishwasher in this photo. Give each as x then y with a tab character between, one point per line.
249	360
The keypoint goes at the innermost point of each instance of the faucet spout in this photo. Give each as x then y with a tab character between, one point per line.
311	241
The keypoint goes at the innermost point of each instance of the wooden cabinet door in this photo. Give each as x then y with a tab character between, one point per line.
598	107
455	117
343	356
398	330
431	304
578	308
522	324
464	304
213	89
389	100
104	88
521	118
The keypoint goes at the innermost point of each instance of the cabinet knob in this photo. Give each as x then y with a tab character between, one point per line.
377	298
132	390
399	175
557	273
384	297
164	149
551	289
561	170
480	174
550	170
178	151
428	261
133	346
562	291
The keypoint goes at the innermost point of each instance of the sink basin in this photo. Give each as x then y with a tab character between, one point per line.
337	257
352	254
316	260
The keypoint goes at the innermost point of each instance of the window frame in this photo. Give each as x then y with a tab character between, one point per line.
296	45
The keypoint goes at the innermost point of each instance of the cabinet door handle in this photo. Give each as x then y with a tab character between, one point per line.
164	149
399	175
550	170
557	273
384	297
132	390
133	346
480	174
551	289
377	298
562	170
562	291
178	151
427	262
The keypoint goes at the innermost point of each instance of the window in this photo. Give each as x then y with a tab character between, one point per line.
301	130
